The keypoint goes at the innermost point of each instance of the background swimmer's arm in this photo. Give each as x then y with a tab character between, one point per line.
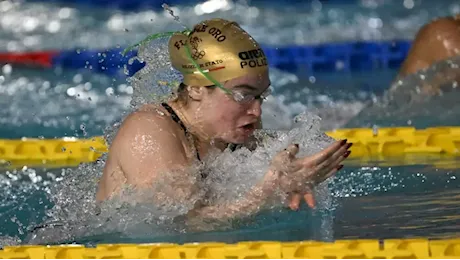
434	42
149	152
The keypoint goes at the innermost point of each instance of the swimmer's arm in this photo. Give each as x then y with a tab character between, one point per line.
434	42
247	205
149	150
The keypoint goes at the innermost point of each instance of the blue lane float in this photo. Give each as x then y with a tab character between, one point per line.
135	5
346	57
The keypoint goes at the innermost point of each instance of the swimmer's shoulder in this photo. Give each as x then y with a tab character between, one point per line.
154	117
151	122
440	28
435	41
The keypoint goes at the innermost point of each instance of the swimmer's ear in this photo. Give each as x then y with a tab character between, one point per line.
195	93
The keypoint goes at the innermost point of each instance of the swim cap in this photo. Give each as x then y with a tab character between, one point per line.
220	48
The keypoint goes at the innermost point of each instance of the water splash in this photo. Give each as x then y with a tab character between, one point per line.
149	83
423	99
176	18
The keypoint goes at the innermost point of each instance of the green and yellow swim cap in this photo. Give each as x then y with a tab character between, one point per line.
221	49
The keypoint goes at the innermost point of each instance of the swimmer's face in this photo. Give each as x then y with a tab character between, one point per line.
233	118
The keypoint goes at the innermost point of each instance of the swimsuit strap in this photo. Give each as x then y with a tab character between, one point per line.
176	119
174	116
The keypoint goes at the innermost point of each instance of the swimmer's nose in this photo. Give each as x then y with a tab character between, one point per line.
256	108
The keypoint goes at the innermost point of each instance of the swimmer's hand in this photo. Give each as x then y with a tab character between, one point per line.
295	176
298	176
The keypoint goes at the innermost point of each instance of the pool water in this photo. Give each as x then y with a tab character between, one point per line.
366	202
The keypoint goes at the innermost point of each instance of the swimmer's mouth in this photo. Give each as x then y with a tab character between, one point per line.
249	127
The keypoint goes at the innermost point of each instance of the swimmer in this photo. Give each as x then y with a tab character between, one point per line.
216	106
434	42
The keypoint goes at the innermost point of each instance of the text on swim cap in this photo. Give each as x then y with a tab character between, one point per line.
213	31
203	65
179	44
252	58
216	33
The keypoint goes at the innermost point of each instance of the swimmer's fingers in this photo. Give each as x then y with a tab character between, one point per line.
309	199
282	161
291	151
331	173
329	170
294	167
315	174
294	202
325	154
325	165
296	198
333	161
296	176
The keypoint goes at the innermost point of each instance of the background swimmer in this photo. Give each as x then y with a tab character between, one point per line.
212	111
434	42
429	70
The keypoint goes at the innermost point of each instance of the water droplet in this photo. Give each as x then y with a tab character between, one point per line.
125	70
375	130
83	129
